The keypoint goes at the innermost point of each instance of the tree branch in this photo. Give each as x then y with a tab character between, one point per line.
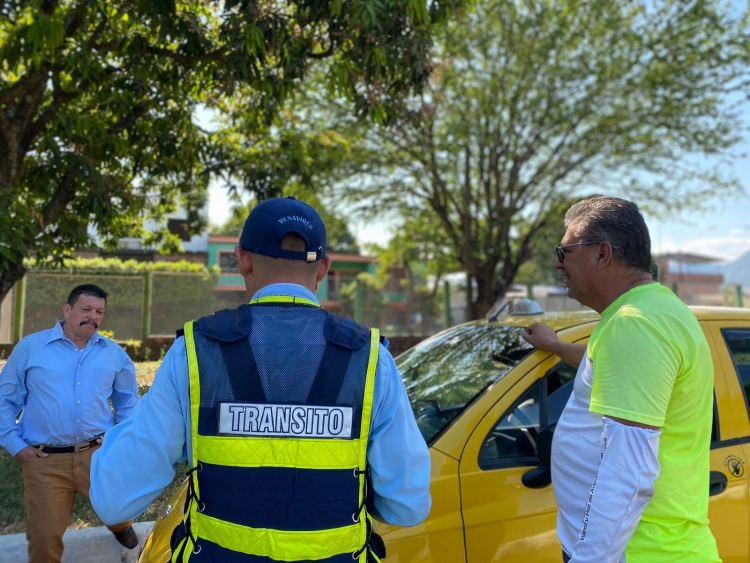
186	60
64	194
127	121
17	90
60	99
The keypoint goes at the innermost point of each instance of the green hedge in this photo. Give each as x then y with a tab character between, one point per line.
117	266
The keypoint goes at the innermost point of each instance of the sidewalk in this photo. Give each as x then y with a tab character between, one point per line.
87	545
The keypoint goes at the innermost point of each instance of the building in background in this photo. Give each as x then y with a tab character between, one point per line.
697	280
195	247
337	292
738	272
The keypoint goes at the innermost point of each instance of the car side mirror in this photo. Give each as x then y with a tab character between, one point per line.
541	476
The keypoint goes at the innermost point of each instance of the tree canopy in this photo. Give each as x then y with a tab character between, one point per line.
97	100
534	103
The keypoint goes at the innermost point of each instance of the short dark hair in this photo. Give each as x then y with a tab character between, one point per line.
293	242
86	289
618	221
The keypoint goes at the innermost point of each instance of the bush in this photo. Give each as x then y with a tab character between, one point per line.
117	266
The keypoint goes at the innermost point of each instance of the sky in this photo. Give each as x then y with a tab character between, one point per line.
724	231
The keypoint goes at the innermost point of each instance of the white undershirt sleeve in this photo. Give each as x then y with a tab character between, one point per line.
623	486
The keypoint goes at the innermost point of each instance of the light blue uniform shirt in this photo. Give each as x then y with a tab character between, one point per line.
138	458
63	391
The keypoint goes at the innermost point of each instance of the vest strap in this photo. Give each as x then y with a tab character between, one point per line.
242	368
227	325
345	332
330	377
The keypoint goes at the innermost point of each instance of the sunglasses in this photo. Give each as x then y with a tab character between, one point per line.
561	248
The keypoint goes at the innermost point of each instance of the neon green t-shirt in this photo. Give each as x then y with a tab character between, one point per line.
652	364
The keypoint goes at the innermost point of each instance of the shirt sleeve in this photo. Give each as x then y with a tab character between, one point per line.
138	457
125	389
397	453
12	397
635	368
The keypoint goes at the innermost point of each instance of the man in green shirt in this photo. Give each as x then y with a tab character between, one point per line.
630	456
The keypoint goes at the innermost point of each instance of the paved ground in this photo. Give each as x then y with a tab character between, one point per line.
88	545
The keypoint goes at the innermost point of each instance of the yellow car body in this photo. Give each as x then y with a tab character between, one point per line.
481	510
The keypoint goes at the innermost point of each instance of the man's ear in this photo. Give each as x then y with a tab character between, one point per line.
606	255
325	265
66	310
244	261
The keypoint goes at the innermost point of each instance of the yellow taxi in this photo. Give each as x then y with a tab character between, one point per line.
482	396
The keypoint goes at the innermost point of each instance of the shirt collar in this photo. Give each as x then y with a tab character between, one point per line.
286	290
57	334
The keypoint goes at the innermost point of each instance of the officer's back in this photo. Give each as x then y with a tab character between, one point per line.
290	417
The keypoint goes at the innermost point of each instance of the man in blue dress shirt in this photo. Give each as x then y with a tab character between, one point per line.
161	433
60	381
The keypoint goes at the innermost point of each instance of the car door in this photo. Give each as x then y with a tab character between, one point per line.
729	512
504	519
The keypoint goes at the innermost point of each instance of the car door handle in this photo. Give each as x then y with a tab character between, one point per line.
717	483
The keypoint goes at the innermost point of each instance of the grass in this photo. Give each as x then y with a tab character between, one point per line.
12	509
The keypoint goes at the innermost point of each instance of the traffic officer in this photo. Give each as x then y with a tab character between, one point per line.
295	423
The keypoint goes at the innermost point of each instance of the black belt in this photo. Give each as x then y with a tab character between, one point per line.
68	449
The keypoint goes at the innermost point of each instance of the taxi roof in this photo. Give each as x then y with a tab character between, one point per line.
559	320
721	313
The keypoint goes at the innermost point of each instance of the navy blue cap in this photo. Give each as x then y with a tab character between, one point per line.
271	220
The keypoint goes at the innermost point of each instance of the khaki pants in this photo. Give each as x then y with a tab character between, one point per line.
49	486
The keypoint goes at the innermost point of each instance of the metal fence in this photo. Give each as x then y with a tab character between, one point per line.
158	303
46	293
153	304
138	305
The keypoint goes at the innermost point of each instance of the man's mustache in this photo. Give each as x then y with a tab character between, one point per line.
92	323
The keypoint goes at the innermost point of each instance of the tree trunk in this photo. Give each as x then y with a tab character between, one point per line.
485	300
489	290
10	273
470	315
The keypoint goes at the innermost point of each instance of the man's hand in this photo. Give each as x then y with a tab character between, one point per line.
29	455
541	336
545	338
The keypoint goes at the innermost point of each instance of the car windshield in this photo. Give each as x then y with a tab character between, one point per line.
447	372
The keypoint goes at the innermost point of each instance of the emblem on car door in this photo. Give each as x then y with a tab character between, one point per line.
735	465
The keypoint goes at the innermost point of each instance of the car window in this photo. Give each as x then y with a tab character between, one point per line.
559	387
512	441
513	438
446	373
738	342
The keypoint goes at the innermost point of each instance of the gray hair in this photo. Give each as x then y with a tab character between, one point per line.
616	220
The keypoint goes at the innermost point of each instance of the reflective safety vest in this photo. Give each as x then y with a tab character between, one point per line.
280	403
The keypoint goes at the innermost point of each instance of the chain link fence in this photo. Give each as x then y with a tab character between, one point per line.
178	298
157	303
46	293
152	304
